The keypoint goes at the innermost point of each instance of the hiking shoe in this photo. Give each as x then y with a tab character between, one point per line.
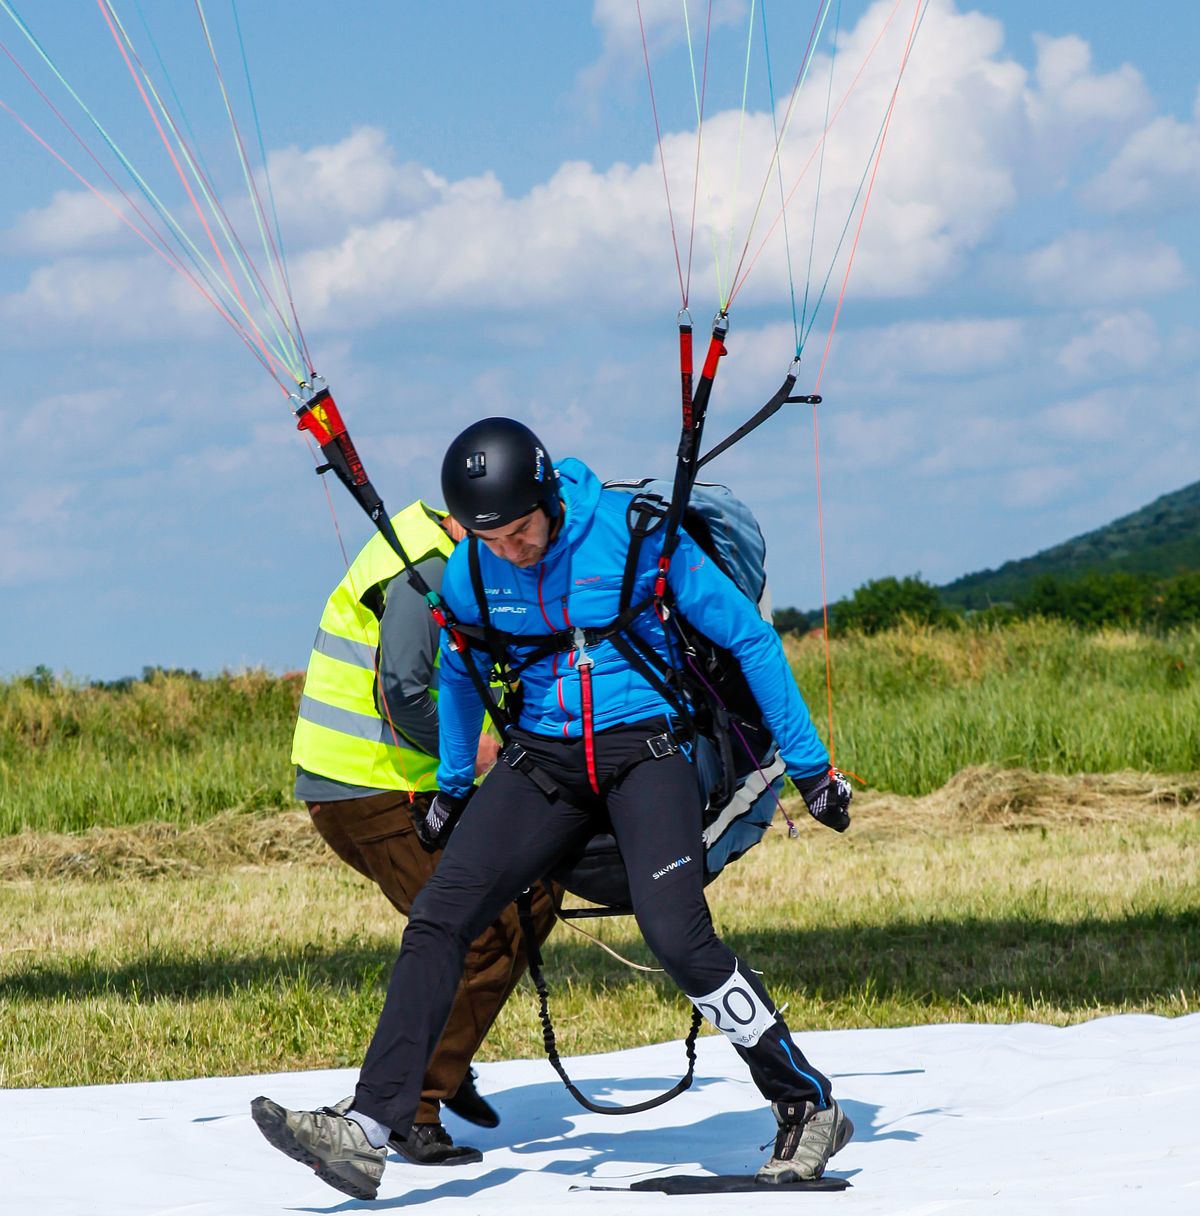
468	1104
430	1144
806	1139
326	1141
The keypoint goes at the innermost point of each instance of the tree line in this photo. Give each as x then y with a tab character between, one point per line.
1092	601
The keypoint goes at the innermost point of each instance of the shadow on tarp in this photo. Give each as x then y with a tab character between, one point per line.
605	1151
1081	963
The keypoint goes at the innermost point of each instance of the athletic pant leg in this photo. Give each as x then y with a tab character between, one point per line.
375	836
509	836
656	815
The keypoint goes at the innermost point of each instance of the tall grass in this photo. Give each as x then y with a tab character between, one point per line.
915	705
169	748
912	707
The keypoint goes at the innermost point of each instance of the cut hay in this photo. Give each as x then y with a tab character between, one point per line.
989	796
229	840
980	797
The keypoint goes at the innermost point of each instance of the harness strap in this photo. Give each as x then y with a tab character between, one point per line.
584	666
643	659
534	956
515	756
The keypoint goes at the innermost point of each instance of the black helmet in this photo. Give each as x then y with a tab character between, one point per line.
496	471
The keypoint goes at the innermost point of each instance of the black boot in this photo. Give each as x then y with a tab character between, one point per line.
430	1144
469	1105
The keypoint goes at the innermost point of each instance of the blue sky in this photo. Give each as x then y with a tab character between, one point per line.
472	204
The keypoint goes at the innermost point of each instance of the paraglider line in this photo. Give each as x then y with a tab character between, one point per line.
249	273
262	149
661	159
745	274
232	282
699	141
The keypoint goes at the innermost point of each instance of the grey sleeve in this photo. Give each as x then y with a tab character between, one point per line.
408	643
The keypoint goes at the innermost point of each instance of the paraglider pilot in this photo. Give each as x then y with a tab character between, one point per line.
595	738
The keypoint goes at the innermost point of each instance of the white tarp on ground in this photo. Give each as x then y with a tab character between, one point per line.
1098	1118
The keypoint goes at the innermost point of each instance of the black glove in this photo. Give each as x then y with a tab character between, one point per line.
828	799
435	823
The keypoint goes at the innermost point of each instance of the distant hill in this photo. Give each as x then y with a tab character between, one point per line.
1160	539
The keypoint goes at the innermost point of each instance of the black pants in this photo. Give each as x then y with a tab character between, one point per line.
510	835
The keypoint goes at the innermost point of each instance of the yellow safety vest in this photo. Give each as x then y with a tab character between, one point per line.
340	733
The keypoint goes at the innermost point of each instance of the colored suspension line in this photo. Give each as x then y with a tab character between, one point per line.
802	337
700	99
284	344
787	244
919	11
269	251
801	77
172	225
744	273
262	152
737	171
141	77
161	249
661	158
105	10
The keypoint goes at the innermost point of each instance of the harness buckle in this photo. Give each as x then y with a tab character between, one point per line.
514	755
662	745
579	637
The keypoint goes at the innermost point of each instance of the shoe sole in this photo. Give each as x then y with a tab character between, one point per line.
845	1132
271	1119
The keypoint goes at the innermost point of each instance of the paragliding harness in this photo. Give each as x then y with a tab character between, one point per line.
715	713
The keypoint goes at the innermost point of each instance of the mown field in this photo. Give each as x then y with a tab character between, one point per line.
167	913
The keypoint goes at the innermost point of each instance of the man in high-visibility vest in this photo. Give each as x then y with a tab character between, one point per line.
366	755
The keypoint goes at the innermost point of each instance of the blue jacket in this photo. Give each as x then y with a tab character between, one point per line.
578	584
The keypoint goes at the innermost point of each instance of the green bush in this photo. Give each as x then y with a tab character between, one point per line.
884	603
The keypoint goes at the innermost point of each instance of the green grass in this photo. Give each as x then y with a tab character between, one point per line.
906	920
912	707
170	748
915	705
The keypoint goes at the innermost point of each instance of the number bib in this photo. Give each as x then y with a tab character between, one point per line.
737	1011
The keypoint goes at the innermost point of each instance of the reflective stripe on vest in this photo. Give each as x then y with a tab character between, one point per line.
339	732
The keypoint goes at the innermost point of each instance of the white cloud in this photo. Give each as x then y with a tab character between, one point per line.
969	346
72	220
663	22
617	20
1092	267
102	299
602	235
319	190
373	238
1040	485
1071	94
1156	170
1094	419
1112	344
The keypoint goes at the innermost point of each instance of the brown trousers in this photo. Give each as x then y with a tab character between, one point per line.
375	835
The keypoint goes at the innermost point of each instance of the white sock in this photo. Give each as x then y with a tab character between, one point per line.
376	1133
